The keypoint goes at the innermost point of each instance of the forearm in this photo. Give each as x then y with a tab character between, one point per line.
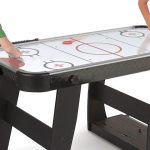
7	45
145	11
4	42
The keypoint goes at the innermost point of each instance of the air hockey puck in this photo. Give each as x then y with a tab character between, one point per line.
67	42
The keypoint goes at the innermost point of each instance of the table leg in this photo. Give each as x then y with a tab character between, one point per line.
148	137
121	130
65	117
8	92
96	110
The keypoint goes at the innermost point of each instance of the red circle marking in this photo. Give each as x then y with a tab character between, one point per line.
67	42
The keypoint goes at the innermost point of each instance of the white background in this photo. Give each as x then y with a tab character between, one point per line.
27	19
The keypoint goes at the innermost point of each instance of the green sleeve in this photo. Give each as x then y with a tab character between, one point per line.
2	33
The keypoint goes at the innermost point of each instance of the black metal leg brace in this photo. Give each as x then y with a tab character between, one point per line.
8	92
121	130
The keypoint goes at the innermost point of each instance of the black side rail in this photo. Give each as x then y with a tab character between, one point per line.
25	41
140	26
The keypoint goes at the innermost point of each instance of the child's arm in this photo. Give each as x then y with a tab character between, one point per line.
145	11
7	45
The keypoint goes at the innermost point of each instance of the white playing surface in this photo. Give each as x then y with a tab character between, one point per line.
52	55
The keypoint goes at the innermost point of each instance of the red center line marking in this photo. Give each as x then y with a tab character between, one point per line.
97	48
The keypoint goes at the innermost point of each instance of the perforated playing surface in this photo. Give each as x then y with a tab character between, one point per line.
77	50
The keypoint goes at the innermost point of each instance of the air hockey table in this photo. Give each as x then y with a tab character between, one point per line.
64	64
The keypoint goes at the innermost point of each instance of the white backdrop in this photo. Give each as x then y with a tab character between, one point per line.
27	19
47	18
